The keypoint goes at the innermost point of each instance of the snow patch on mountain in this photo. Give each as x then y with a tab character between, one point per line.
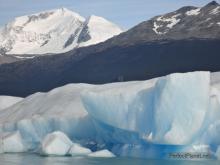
193	12
173	21
168	19
168	22
215	10
156	27
24	57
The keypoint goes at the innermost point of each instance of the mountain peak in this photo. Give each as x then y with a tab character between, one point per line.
55	13
65	9
213	3
186	8
38	33
65	12
62	10
94	18
97	29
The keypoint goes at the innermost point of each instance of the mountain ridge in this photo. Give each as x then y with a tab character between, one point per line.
182	23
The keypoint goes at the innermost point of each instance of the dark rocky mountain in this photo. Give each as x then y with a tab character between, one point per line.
137	62
140	53
186	22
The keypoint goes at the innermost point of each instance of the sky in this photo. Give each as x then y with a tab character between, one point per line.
125	13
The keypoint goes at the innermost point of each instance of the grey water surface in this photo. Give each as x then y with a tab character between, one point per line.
33	159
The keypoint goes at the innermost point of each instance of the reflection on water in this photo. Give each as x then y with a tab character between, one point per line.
31	159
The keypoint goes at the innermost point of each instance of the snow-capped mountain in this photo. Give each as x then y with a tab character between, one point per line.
54	31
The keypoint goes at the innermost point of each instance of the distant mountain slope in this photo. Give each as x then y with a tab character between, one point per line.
137	62
186	22
54	31
132	55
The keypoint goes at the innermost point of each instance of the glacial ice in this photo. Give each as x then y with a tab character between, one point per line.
199	148
176	113
56	143
217	154
11	142
7	101
78	150
102	154
180	107
163	114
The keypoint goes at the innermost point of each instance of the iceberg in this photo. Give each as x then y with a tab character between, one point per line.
102	154
42	113
171	112
217	154
180	107
149	119
78	150
11	142
56	143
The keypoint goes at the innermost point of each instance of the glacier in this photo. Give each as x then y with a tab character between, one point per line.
149	119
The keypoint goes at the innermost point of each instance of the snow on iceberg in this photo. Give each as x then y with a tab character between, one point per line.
56	143
12	142
7	101
102	154
170	112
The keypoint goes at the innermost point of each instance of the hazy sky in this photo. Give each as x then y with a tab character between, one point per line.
125	13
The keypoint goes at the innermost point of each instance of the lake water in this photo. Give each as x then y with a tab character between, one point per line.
32	159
